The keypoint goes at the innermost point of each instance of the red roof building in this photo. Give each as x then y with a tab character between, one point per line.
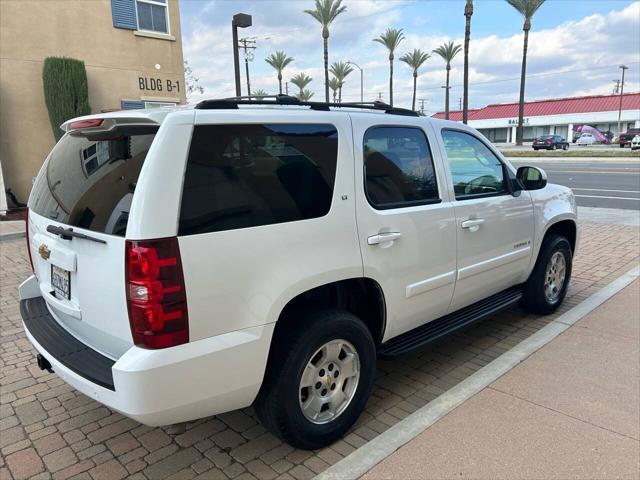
555	116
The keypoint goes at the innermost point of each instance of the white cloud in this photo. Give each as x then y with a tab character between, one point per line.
580	47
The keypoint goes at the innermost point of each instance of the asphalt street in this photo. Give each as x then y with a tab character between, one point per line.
608	183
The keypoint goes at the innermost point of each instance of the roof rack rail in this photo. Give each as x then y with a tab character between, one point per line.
233	102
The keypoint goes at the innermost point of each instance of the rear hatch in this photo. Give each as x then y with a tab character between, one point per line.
78	214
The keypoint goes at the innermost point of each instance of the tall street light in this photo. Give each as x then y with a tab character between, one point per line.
241	20
623	68
361	79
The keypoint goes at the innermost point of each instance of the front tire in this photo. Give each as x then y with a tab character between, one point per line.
547	285
318	379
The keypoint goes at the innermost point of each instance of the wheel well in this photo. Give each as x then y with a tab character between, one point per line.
362	297
566	228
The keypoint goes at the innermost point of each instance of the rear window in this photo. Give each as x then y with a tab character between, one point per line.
88	182
241	176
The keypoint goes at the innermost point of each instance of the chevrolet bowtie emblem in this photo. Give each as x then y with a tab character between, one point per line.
44	251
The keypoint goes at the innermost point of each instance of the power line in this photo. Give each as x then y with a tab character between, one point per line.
533	75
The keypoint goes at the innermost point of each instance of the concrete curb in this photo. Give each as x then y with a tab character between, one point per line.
11	236
366	457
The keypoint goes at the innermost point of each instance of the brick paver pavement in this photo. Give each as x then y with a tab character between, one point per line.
49	430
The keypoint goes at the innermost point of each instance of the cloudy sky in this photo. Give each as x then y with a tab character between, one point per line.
575	47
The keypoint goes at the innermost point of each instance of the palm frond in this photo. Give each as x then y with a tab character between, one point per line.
448	51
527	8
301	80
415	59
340	70
305	95
326	11
391	38
278	60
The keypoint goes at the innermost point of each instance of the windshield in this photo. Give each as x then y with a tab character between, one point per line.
88	182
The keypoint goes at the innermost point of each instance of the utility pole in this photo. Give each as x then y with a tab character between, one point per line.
380	96
422	100
241	20
616	89
460	103
247	44
286	88
623	68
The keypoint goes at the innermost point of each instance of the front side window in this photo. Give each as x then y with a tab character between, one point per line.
241	176
476	171
152	15
398	168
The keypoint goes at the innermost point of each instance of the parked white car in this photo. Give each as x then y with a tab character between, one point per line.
635	143
188	262
586	139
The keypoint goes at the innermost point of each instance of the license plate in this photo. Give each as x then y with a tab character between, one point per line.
61	282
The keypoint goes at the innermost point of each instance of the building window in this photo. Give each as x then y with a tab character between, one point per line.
152	15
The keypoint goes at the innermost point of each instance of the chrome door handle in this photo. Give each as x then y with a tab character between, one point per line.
383	238
473	224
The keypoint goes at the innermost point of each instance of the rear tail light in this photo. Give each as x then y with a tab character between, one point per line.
548	142
81	124
156	297
26	235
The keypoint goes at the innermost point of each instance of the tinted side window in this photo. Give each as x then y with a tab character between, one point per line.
475	169
241	176
398	167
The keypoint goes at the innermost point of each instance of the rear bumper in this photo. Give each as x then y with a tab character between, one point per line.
162	387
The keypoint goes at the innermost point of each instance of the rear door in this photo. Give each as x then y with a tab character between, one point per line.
87	185
406	223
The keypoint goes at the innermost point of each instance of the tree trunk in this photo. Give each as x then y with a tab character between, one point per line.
280	83
520	129
340	94
391	80
415	85
446	95
325	38
467	37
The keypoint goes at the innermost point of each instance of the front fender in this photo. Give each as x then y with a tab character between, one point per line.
551	205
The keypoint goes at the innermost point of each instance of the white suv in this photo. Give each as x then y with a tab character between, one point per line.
192	261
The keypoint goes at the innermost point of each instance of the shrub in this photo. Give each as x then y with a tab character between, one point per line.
65	91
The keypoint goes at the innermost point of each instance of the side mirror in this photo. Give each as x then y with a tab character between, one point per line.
531	178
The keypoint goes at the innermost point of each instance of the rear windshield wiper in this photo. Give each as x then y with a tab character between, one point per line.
69	234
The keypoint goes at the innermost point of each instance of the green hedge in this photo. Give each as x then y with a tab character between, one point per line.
65	91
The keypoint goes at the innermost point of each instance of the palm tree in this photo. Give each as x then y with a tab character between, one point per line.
301	80
415	60
279	61
334	85
391	39
326	12
468	12
259	93
447	51
527	8
340	70
305	95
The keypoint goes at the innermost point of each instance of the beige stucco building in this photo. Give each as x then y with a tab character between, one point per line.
132	51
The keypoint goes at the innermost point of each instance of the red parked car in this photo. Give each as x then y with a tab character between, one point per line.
625	138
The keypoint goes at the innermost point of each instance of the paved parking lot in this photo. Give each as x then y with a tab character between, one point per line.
48	430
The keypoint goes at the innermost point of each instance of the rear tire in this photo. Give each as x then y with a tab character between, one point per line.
547	285
316	415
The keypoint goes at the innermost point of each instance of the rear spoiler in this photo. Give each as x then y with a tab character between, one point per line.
106	122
